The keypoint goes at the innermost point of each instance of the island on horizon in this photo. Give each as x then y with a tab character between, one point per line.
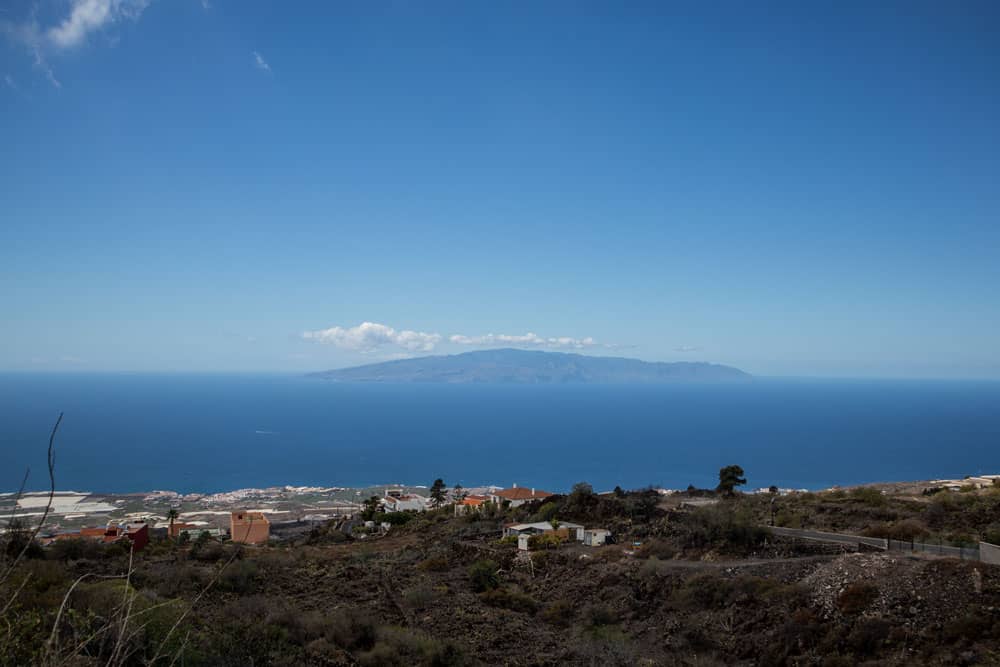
513	366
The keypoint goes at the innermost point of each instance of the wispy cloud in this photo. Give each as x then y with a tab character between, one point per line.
687	348
261	63
9	80
525	340
371	336
44	68
85	17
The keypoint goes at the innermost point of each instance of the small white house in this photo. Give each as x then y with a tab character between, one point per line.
536	528
596	537
522	542
575	530
396	500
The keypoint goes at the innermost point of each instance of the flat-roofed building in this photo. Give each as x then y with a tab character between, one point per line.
249	527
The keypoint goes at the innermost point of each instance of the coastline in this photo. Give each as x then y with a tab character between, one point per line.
75	509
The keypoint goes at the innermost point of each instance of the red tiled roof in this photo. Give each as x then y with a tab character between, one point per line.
521	493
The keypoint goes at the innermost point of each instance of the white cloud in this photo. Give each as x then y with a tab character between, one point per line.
9	80
84	18
687	348
87	16
369	336
526	340
261	63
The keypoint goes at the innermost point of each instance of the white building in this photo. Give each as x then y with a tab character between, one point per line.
595	537
575	530
397	500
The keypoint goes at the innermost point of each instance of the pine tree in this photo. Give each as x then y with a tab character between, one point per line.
729	478
437	492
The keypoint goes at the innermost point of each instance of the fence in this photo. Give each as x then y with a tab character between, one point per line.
965	553
836	538
987	553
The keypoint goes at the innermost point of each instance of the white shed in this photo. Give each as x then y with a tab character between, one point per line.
595	537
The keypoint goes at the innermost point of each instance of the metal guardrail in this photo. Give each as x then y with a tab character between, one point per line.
985	552
835	538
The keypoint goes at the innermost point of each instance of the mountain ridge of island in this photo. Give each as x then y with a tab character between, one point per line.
513	366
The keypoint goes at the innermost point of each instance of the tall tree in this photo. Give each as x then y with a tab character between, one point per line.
370	508
437	492
172	515
729	478
458	493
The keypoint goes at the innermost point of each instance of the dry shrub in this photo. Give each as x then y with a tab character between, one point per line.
507	598
560	613
434	564
855	598
419	597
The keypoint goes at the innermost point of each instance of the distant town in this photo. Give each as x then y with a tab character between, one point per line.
260	515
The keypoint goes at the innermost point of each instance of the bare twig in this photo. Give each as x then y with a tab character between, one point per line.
62	607
218	575
180	651
126	607
14	596
48	505
17	499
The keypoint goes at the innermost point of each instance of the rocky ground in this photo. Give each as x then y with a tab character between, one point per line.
699	586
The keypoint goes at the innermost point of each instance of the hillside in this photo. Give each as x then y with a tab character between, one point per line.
510	366
681	586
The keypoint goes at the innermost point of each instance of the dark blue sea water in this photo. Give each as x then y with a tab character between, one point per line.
212	432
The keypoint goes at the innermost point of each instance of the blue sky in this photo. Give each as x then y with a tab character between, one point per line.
792	188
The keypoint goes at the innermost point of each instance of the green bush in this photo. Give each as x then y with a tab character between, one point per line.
395	518
546	512
992	535
77	549
544	541
483	575
239	577
656	548
709	590
868	496
721	527
207	550
787	518
434	564
419	597
398	646
961	540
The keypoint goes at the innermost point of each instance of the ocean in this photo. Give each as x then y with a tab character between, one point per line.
203	433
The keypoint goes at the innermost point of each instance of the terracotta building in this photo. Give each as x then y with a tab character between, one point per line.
516	496
136	533
249	527
175	530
